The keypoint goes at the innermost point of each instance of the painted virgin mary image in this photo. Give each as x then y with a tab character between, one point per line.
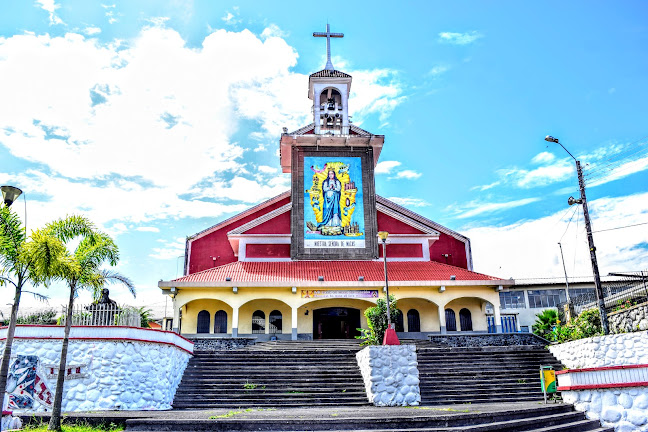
332	190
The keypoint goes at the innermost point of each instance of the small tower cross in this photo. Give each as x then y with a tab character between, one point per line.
328	35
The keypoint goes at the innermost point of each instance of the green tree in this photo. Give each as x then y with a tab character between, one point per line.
79	269
377	321
16	269
545	322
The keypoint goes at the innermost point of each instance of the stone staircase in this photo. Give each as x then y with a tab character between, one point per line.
273	374
481	375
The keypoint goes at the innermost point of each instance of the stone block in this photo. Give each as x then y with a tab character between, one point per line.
611	414
637	417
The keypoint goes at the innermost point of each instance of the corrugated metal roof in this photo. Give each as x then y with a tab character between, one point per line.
292	271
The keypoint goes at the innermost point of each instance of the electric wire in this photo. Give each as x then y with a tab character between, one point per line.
570	219
621	227
616	164
616	156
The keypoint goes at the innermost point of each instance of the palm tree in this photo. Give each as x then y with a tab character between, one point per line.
16	269
545	322
80	269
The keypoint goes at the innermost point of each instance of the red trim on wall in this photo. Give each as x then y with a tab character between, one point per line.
88	326
603	386
100	339
602	368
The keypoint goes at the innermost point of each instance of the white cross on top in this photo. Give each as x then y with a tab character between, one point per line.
328	35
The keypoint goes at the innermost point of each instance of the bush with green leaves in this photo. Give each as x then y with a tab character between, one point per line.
545	323
45	317
377	321
585	325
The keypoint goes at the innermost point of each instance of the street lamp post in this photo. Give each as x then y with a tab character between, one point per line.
390	334
590	239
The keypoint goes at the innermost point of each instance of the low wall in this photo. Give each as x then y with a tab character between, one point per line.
487	339
108	368
222	343
607	378
390	374
629	320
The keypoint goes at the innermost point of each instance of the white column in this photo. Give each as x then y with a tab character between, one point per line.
442	322
235	321
294	323
498	321
176	318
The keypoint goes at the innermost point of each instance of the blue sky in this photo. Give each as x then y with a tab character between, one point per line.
158	119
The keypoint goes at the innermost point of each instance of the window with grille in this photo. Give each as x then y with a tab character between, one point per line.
203	322
220	322
451	320
546	298
258	322
512	300
275	322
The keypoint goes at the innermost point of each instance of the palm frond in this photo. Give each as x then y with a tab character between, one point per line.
48	257
104	277
94	250
38	296
71	227
12	237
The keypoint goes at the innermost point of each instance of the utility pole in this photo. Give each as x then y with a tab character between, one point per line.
590	239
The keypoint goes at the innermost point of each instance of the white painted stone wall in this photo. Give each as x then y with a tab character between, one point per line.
625	408
390	374
599	351
122	368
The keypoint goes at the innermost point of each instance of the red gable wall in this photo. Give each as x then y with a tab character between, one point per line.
216	244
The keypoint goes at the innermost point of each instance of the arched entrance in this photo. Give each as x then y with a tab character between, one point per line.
336	323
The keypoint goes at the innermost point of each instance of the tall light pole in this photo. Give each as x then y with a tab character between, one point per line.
590	239
383	236
390	334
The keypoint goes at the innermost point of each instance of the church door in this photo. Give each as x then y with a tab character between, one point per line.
465	319
336	323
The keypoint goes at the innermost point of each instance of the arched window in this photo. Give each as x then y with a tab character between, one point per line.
465	319
258	322
275	322
220	322
203	322
399	321
413	321
451	320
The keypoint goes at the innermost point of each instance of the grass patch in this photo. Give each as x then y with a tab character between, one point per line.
439	409
232	413
76	428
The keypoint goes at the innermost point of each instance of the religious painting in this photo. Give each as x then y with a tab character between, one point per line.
334	204
333	210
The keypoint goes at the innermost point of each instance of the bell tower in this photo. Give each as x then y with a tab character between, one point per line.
329	90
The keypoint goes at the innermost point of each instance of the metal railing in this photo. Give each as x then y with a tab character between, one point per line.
103	315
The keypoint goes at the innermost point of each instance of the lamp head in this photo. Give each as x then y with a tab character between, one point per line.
383	235
551	139
571	201
10	194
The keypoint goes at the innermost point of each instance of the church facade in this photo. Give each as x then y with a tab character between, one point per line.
306	264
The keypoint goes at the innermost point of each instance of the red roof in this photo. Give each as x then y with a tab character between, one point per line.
337	271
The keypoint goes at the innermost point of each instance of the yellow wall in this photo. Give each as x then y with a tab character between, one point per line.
248	299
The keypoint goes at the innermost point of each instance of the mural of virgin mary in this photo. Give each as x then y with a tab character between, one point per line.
332	190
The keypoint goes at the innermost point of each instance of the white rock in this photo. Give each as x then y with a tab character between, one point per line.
637	417
611	414
641	402
625	400
624	426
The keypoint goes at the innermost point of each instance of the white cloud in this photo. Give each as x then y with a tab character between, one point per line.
377	91
385	167
409	202
529	248
260	147
438	70
543	158
111	123
267	169
486	187
475	208
231	18
408	174
611	90
90	31
273	30
616	172
148	229
460	38
171	249
50	6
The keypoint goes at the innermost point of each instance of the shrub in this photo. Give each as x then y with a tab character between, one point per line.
377	321
587	324
545	323
45	317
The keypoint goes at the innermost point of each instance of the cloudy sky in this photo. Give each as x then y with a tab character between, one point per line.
157	119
